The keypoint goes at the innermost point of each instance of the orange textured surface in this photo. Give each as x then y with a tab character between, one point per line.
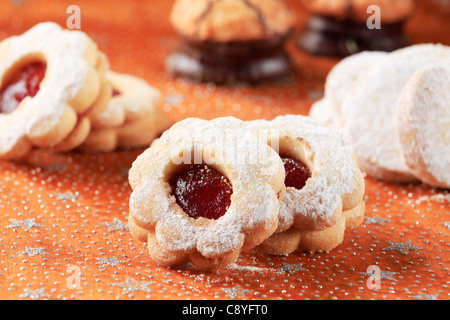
65	215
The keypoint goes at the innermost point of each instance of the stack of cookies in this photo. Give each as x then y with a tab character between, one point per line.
394	107
208	190
58	93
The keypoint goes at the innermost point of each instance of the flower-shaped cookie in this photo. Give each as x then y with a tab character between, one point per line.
51	82
322	181
132	119
205	191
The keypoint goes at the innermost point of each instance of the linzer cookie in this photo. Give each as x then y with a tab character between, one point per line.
51	86
204	191
339	27
324	185
228	41
133	117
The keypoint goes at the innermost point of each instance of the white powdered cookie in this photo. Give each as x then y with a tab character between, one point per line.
59	110
339	83
423	124
370	111
325	112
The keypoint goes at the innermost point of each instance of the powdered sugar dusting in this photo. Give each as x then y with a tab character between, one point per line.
370	110
67	68
424	119
343	77
234	156
334	170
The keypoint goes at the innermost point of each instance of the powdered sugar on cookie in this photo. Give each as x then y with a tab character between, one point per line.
370	111
251	216
423	123
336	182
70	86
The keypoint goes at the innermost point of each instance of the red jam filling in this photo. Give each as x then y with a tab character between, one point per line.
202	191
296	172
24	84
115	92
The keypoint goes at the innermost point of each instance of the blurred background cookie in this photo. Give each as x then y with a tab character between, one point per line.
230	40
339	27
132	118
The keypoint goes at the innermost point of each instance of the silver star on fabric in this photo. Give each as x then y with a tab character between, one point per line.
33	251
291	268
447	224
34	294
113	261
376	220
131	285
234	293
403	247
117	224
26	224
383	275
426	296
67	196
173	99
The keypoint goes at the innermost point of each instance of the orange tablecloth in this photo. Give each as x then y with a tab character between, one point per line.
63	230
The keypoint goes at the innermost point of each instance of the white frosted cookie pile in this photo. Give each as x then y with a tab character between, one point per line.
57	93
395	109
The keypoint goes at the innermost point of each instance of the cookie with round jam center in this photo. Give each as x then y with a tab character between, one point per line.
297	173
202	191
24	84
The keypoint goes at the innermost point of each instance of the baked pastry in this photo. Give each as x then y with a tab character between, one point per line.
51	86
324	185
339	83
133	117
423	124
370	111
361	95
191	201
339	27
228	41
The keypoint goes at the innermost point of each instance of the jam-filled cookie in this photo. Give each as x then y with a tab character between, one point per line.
51	84
133	117
370	110
228	41
339	27
205	191
324	185
423	124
